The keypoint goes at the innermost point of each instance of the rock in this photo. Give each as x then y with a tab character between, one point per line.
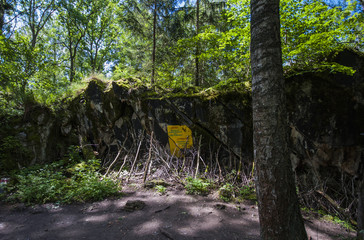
220	206
132	206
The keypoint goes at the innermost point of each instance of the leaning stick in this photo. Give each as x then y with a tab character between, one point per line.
149	158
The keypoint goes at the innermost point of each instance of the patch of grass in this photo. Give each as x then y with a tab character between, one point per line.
198	186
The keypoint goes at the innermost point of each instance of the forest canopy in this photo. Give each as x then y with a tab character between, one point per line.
49	47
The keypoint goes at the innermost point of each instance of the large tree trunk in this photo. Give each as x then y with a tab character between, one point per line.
197	73
279	211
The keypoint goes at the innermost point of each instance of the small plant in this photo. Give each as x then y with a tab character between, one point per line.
197	186
161	189
226	192
248	192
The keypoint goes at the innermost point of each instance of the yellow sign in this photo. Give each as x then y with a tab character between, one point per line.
180	137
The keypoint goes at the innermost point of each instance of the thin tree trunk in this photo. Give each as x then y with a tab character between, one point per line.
360	211
72	69
360	234
154	40
279	211
2	15
197	73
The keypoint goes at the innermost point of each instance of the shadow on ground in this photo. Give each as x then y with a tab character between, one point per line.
172	216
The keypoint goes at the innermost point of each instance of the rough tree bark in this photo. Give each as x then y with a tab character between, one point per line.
279	211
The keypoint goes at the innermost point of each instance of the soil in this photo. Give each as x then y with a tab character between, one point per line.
147	214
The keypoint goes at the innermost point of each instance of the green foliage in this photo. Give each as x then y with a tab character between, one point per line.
229	192
330	218
226	192
65	181
161	189
198	186
75	39
12	154
247	192
312	31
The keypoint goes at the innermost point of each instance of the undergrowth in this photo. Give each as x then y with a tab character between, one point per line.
198	186
232	192
329	217
69	180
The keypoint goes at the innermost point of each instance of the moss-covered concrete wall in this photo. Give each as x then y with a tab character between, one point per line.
326	122
326	115
107	117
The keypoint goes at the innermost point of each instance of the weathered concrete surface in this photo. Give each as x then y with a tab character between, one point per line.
326	115
325	111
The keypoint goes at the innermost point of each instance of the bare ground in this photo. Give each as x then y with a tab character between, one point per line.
173	215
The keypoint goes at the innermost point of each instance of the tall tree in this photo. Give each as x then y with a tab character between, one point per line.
74	18
154	38
100	39
197	74
2	14
279	211
3	8
151	24
36	14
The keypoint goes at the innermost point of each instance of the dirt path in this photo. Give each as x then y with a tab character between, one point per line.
170	216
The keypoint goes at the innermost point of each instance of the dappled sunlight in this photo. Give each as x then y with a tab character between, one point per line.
318	230
96	219
149	227
5	227
175	216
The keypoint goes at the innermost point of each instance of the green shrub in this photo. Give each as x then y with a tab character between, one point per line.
12	153
89	187
197	186
65	181
161	189
226	192
38	186
248	192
